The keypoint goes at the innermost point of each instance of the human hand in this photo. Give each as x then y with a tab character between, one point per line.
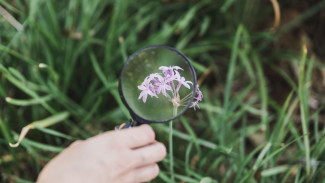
129	155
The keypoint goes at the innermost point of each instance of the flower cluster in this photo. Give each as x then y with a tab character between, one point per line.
168	84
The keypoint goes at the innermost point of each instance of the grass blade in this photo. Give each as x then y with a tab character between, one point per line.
56	118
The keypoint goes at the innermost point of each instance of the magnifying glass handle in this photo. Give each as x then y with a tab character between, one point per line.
129	124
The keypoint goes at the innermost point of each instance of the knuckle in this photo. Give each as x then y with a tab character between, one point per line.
130	178
135	162
141	158
124	164
130	162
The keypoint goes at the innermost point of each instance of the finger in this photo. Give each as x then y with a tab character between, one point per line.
130	138
136	136
76	143
142	174
149	154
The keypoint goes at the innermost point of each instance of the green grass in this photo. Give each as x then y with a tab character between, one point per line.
256	122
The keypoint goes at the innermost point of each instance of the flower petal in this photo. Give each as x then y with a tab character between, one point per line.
144	99
177	68
164	68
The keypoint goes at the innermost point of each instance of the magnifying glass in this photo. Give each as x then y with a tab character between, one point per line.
157	85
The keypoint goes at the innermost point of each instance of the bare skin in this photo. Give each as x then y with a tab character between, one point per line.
129	155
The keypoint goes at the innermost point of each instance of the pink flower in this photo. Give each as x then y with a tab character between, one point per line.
169	71
147	89
170	68
195	103
197	99
183	82
199	94
164	83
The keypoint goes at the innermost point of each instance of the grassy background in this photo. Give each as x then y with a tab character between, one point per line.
262	117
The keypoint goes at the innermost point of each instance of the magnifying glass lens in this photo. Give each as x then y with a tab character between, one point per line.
157	84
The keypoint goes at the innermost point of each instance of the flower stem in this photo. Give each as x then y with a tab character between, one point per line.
188	96
171	156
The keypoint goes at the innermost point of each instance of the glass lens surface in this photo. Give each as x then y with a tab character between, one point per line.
165	105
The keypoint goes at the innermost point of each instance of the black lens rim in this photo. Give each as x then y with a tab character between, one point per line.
135	116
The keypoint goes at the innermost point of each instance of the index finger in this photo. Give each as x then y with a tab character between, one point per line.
134	137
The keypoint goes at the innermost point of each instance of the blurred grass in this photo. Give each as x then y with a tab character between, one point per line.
257	123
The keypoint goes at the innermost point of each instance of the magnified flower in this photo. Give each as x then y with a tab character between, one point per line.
147	89
170	68
165	83
183	82
170	71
